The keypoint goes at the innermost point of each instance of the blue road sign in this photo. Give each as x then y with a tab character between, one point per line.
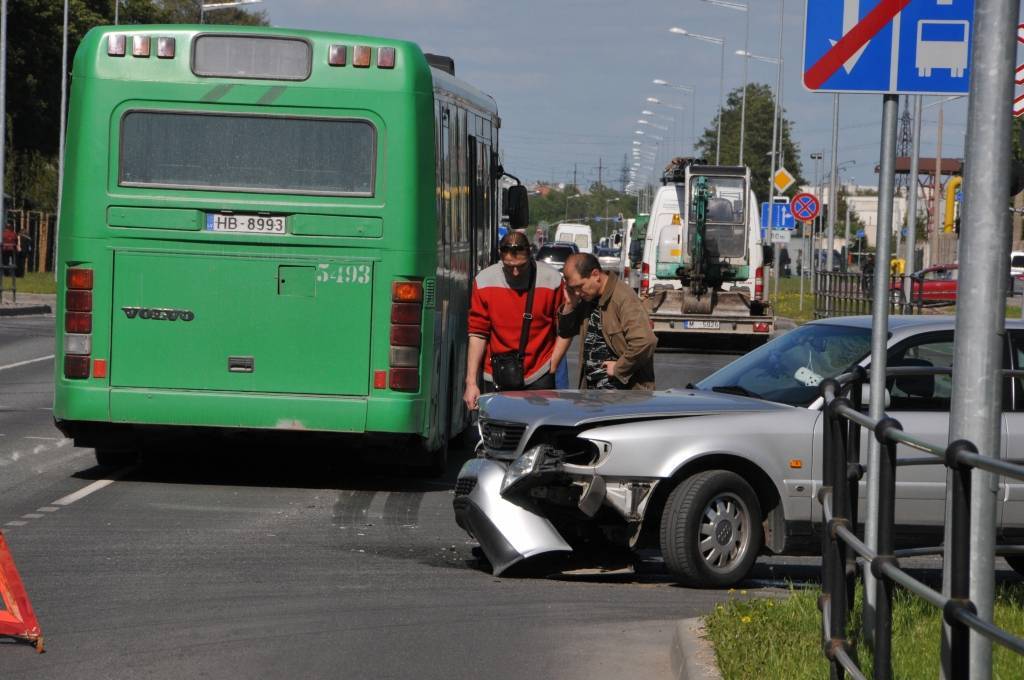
888	46
860	233
782	218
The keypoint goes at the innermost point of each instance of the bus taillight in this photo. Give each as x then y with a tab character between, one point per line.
759	283
645	277
78	323
406	334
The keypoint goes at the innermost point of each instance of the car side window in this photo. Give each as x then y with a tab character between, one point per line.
922	392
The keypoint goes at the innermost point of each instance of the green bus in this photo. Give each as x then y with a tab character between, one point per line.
269	230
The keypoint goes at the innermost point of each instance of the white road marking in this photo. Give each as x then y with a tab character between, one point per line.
83	492
15	523
31	515
26	362
46	439
47	508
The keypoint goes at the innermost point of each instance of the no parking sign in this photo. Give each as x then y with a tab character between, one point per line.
805	207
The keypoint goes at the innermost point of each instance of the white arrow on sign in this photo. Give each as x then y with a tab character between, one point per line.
851	16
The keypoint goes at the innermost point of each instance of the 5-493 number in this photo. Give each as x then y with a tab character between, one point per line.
344	273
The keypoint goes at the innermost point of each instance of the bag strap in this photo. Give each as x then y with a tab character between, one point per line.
528	313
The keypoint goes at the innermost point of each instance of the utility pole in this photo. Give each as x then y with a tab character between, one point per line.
574	185
599	174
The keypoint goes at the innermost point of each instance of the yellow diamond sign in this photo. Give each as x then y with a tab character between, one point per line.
782	180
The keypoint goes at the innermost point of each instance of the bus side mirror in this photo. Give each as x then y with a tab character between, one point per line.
768	255
518	207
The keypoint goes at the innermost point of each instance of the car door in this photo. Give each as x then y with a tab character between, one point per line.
921	405
1012	491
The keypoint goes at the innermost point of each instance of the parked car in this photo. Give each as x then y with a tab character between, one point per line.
1016	268
610	259
934	285
714	474
555	254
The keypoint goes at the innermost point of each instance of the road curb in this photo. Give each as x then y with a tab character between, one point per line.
693	656
25	310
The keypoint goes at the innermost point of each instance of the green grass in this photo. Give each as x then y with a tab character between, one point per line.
34	282
763	637
788	302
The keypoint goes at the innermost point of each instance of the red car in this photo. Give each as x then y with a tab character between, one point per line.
936	285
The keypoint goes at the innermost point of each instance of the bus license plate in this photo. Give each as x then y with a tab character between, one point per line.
245	223
707	325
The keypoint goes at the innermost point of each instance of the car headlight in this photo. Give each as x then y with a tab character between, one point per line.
522	467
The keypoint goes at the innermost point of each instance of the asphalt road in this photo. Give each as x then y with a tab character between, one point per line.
285	564
279	564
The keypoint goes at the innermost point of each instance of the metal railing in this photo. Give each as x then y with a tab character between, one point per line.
850	294
843	423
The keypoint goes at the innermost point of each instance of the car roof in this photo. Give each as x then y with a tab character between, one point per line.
907	324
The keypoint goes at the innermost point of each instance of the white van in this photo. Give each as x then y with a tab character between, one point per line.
663	244
569	232
663	240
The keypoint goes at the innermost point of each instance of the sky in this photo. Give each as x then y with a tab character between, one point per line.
570	77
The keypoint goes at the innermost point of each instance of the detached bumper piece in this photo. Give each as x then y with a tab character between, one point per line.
508	532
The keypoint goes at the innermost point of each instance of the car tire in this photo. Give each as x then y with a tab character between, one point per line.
719	509
116	457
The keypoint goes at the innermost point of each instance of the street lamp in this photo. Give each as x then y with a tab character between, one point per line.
721	80
567	199
745	8
207	7
644	121
692	91
610	200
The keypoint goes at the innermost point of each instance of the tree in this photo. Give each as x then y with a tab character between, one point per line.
34	77
758	138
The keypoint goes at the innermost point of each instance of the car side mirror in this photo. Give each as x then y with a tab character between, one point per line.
865	396
518	207
768	255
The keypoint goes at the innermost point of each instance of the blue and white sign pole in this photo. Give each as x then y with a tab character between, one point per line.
888	47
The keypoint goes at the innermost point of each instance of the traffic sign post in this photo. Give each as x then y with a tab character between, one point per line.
805	207
780	218
1018	103
888	46
783	179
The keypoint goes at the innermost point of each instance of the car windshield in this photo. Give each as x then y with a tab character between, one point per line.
790	368
554	253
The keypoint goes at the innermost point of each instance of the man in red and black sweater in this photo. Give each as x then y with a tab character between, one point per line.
496	318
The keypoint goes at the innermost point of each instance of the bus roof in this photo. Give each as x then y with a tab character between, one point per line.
410	73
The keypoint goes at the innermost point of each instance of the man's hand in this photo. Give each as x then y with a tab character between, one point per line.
609	367
472	396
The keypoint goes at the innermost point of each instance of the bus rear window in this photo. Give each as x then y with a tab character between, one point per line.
266	154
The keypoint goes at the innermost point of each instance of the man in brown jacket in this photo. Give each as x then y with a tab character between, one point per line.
616	341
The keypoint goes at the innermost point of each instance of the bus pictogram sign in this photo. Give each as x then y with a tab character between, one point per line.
805	207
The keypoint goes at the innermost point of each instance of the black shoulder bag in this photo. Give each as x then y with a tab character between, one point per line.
507	367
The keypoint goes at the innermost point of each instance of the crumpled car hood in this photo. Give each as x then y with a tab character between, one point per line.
580	407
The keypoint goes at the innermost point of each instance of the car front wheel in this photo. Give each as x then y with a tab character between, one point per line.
711	529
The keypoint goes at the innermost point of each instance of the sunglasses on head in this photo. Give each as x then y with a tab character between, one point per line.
512	249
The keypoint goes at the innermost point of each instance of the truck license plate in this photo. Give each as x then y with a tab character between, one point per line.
245	223
706	325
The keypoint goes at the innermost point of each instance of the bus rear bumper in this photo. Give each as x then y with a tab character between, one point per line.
283	412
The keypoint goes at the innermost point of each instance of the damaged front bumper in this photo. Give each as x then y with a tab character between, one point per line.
508	532
506	506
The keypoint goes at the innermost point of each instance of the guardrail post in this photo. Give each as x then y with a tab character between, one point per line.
833	556
886	547
956	663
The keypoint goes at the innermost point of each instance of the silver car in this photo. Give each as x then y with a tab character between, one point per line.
714	474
